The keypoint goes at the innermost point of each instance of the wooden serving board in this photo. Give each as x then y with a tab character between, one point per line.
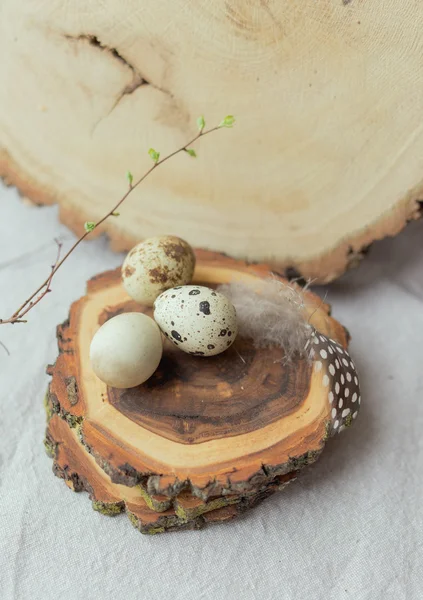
201	435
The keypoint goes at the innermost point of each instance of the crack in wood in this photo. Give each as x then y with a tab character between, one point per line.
130	88
94	41
137	81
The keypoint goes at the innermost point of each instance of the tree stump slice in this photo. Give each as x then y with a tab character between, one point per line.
78	469
202	435
326	156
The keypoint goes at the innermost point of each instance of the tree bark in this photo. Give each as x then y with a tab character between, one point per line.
326	155
202	435
78	469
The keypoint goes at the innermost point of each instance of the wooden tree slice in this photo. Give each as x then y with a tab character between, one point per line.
225	425
80	472
78	469
326	156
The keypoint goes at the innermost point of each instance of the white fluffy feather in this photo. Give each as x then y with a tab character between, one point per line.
271	313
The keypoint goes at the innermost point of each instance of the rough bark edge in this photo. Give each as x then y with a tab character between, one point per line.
222	509
152	484
216	510
321	269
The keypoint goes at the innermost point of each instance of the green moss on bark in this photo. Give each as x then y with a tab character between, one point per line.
135	522
47	406
348	421
193	513
71	420
154	502
50	447
328	428
110	509
153	530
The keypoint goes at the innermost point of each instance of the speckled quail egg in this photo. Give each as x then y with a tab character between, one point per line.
197	319
126	350
155	265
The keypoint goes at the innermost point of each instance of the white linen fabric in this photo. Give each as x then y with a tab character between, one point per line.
350	528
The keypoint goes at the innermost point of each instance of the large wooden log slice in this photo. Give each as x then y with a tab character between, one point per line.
211	427
326	156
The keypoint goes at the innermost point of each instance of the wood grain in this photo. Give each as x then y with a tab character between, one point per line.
326	155
213	426
213	403
73	464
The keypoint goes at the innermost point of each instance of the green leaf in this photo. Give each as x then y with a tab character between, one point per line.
115	214
201	123
154	154
129	177
191	152
89	226
227	121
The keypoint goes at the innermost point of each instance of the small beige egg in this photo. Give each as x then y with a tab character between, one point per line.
197	319
126	350
156	265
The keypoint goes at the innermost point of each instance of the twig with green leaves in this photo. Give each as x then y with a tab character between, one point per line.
45	287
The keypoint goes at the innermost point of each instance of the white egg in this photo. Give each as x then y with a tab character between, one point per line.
156	265
197	319
126	350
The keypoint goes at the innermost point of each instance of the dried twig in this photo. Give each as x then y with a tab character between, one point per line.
5	347
44	288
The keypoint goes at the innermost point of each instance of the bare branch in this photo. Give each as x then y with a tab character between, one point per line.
5	347
44	288
48	282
